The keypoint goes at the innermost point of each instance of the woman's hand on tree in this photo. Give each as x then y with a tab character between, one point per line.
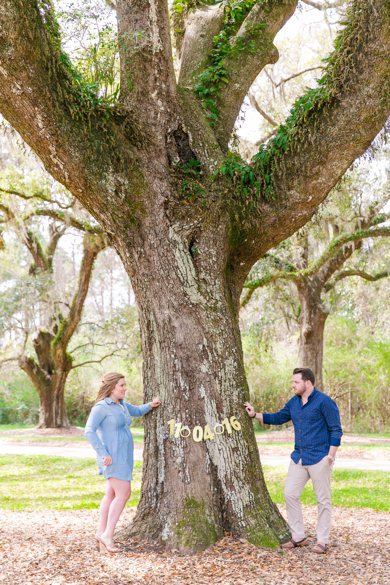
155	402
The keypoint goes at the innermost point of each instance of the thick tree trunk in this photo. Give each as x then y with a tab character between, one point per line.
312	324
195	489
50	386
52	410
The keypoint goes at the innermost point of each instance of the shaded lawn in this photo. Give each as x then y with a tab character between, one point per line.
350	488
40	482
13	427
343	446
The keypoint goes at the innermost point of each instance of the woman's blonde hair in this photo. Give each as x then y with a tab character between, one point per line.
109	382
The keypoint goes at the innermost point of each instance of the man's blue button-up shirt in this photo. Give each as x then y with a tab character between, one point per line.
316	424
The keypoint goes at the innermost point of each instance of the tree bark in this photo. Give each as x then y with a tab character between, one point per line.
49	382
193	492
52	408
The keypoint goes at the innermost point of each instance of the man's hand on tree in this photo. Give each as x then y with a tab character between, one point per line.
249	408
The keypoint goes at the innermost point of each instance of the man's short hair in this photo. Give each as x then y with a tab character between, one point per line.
306	373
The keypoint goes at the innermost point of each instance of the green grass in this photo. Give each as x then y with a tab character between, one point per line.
350	488
375	435
40	438
140	439
13	427
39	482
64	440
135	429
344	446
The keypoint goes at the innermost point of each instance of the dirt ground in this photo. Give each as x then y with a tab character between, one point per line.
57	548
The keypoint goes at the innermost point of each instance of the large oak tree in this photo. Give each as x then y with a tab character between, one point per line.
143	168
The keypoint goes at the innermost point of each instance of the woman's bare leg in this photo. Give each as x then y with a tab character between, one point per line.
122	491
104	508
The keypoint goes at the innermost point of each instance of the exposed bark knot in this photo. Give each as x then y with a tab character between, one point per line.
183	147
193	248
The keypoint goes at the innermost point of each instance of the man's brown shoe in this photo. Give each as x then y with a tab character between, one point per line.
294	543
319	548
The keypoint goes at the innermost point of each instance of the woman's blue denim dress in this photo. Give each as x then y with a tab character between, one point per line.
107	430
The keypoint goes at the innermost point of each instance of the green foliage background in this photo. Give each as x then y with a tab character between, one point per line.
356	372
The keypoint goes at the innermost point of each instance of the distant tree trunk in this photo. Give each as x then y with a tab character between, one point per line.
312	325
52	409
49	380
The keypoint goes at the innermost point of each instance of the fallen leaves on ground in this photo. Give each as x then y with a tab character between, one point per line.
57	548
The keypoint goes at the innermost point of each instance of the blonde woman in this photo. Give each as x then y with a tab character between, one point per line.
107	430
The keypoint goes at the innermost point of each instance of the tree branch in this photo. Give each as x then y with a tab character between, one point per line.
321	138
11	359
283	81
341	241
34	247
56	234
200	27
68	220
114	352
146	67
88	344
314	267
266	137
42	260
92	246
251	49
351	272
381	218
37	376
70	129
37	195
255	104
316	5
328	268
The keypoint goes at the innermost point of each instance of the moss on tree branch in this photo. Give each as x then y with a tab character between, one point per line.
314	267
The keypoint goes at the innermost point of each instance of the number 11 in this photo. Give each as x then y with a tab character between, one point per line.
174	428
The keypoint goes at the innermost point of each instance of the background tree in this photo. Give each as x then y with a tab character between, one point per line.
315	259
143	169
109	327
50	320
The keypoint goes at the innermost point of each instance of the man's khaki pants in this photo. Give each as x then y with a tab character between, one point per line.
297	477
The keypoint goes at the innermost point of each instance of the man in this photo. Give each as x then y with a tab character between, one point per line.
317	426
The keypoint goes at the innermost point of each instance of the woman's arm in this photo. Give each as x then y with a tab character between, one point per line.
95	418
144	408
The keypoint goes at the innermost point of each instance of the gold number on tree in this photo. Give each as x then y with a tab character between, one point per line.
176	429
